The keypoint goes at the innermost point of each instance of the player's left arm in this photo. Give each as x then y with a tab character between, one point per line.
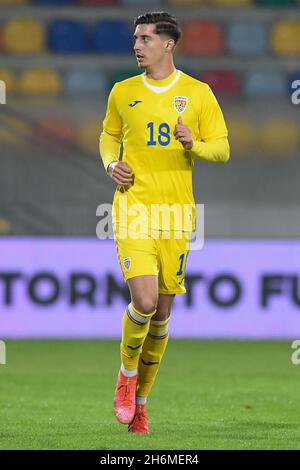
214	145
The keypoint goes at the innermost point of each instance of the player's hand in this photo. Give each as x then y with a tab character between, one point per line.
120	173
183	134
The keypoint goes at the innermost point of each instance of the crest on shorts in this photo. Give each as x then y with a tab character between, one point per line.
180	103
127	263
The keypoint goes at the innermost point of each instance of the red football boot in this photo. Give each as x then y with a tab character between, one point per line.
124	402
139	423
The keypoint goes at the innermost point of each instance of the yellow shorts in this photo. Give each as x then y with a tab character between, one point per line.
154	255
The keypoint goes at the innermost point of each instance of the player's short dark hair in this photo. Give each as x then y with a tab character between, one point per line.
165	23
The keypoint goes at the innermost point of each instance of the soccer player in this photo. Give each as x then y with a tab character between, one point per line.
164	119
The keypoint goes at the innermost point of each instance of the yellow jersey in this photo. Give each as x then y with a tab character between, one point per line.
142	114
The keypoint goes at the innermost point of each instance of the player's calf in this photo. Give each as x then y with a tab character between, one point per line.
134	331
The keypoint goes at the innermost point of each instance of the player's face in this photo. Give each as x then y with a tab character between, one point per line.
149	47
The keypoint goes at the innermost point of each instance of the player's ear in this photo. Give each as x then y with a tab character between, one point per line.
170	45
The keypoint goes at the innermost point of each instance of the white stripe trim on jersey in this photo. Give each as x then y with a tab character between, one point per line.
160	89
136	316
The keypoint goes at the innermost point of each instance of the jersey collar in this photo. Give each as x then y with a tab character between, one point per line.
160	86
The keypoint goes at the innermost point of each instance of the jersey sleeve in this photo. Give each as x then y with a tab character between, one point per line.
211	120
112	123
216	150
111	136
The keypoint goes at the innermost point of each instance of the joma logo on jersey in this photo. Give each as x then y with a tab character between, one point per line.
180	103
132	105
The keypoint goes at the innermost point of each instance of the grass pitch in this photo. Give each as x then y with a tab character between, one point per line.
208	395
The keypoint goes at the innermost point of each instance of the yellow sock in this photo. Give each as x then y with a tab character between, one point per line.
151	356
135	327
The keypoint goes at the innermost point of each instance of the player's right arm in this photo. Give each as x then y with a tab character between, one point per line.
110	143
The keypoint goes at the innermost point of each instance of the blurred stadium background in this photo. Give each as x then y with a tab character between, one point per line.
59	60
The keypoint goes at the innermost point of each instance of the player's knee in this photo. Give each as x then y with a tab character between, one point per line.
146	305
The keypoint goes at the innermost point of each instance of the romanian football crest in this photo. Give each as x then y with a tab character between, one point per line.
127	263
180	103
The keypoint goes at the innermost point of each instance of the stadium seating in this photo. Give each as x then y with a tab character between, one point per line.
54	2
10	80
12	2
99	2
231	3
245	38
279	137
276	3
247	53
114	37
1	41
85	82
202	38
88	135
285	37
185	3
222	81
59	127
67	36
13	131
135	3
24	36
40	81
5	226
243	136
265	83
